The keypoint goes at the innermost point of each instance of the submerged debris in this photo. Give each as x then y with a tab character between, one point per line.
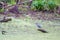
42	30
5	20
3	32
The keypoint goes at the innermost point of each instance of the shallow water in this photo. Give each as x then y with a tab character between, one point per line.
19	29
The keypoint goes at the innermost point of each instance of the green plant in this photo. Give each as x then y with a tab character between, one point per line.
43	5
38	4
9	1
51	5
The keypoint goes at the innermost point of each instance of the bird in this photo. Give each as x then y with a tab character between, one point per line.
38	25
40	28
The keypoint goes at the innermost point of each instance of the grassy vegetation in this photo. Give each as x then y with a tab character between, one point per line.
43	5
